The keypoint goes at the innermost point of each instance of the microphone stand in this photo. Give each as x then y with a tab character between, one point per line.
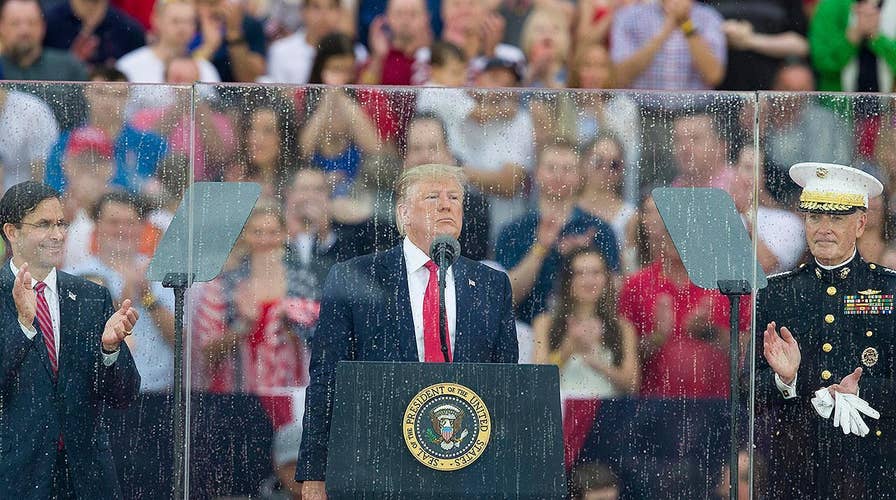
443	323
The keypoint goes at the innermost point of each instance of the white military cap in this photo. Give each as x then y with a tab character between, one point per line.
833	188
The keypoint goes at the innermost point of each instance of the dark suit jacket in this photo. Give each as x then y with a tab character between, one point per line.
366	316
35	410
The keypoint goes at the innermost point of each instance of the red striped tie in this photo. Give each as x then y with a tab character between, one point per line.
46	325
432	346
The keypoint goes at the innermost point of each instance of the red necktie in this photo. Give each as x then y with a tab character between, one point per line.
46	325
432	347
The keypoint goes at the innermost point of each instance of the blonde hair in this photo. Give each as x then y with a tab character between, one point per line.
159	7
553	16
423	173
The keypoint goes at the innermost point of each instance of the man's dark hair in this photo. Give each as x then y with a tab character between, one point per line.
332	45
106	73
134	201
441	51
429	116
718	126
20	200
592	476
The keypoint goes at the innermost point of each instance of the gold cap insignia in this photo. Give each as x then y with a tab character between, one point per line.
821	172
869	356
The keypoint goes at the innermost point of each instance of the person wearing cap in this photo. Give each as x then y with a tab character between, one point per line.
495	141
87	170
825	348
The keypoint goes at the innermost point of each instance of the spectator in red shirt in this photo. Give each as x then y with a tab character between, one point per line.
683	328
394	41
477	28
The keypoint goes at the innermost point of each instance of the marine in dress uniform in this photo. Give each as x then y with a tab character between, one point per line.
837	309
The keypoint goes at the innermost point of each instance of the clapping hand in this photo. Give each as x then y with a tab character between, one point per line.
119	326
586	334
24	297
739	33
849	384
782	352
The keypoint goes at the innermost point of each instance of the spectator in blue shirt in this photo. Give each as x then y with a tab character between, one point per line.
231	40
93	31
532	246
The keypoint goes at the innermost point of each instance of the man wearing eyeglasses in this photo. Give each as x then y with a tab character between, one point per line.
61	360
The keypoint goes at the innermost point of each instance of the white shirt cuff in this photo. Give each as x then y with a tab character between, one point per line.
788	391
29	332
108	359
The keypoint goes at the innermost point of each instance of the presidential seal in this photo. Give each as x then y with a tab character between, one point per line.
446	426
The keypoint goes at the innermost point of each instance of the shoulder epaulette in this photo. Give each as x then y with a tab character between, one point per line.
881	269
791	272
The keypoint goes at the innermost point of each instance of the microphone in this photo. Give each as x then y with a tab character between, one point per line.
444	251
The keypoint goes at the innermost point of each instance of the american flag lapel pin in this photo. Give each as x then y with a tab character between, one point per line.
72	296
472	283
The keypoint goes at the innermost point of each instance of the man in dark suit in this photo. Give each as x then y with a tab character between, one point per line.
61	360
378	307
828	339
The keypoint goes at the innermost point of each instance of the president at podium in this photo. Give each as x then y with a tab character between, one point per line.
385	307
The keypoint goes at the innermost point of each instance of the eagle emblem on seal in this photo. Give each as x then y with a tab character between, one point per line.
447	429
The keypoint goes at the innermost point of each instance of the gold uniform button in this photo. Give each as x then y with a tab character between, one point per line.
878	433
825	375
832	290
827	347
869	333
872	266
829	318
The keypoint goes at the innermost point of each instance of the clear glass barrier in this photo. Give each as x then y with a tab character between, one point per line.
558	196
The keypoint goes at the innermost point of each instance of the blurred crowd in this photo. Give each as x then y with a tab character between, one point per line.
563	116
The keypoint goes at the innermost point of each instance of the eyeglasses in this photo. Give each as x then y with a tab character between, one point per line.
46	225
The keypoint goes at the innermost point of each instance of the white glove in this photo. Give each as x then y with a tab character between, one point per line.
842	411
823	403
857	406
862	406
847	410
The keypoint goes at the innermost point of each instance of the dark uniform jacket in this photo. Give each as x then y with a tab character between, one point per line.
842	319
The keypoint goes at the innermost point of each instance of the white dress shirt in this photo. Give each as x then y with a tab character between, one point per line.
51	293
418	277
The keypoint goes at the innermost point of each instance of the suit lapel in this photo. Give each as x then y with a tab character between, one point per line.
396	281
